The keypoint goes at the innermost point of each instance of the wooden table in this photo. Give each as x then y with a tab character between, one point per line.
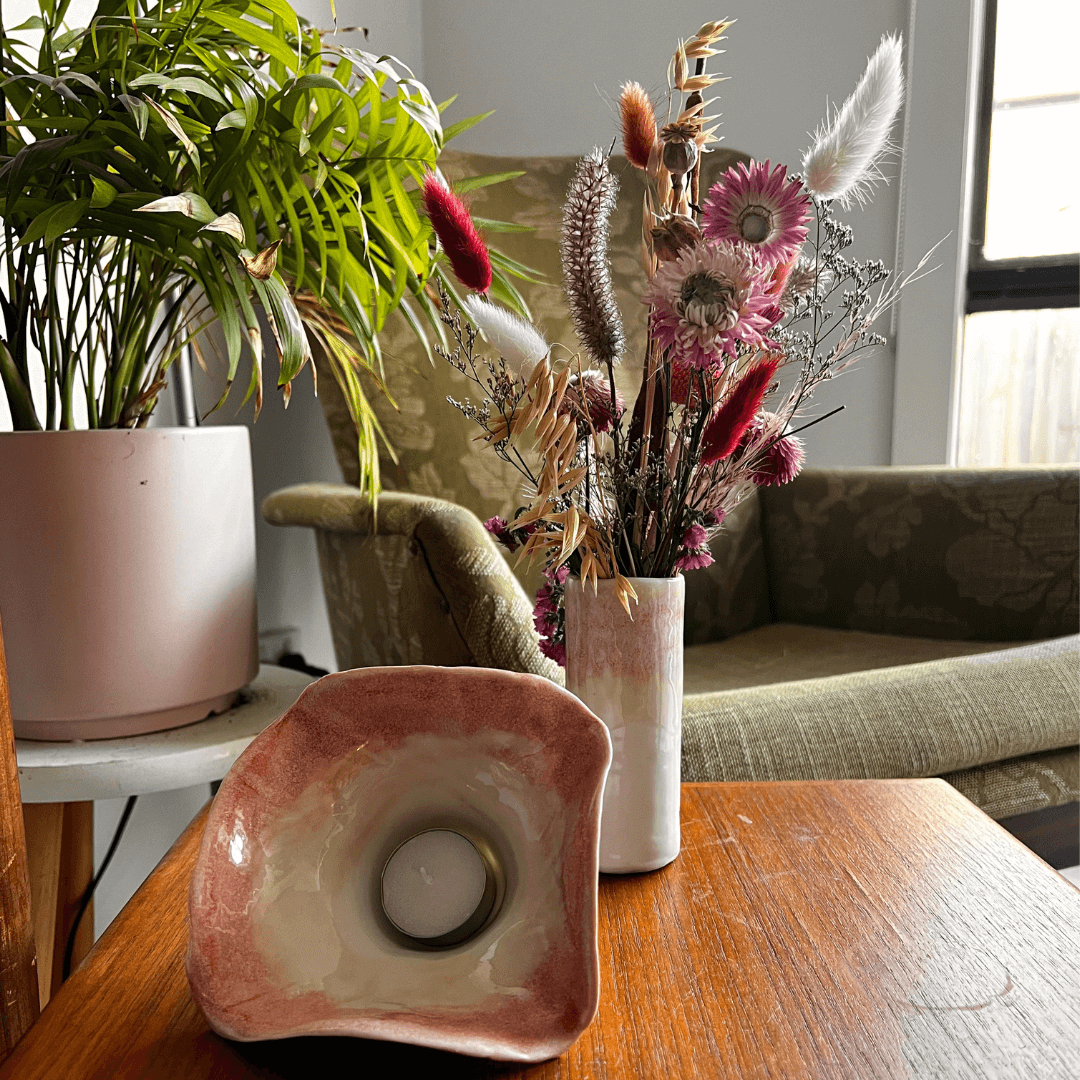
854	929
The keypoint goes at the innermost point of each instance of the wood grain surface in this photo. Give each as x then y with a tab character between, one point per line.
44	824
856	929
18	973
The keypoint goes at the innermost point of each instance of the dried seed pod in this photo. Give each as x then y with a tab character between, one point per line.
680	152
674	236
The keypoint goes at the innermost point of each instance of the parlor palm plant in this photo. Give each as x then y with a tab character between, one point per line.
182	162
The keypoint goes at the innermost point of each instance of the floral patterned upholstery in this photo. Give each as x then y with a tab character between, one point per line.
946	553
856	622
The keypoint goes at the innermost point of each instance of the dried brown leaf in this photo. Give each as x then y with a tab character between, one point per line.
262	266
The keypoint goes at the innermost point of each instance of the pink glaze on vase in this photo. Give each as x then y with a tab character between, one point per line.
630	673
287	933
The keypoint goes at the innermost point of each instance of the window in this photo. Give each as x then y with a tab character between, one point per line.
1019	395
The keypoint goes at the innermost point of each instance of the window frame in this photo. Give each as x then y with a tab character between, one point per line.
1014	284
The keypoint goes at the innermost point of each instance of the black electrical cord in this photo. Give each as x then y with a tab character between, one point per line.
88	895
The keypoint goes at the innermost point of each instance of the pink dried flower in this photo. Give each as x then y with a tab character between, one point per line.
454	227
558	577
697	559
782	462
684	384
717	515
757	207
499	528
707	301
695	537
590	396
546	601
554	650
546	618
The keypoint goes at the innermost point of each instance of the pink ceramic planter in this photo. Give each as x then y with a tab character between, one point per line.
127	577
287	933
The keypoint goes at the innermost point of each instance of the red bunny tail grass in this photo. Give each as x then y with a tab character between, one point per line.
454	227
638	125
726	428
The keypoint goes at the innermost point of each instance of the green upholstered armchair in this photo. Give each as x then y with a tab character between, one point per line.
856	623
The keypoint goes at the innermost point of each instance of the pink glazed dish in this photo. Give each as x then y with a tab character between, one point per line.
294	925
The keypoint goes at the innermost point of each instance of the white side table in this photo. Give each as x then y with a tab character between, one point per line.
60	780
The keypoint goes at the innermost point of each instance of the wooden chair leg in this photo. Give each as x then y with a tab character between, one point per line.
44	824
60	850
76	871
18	982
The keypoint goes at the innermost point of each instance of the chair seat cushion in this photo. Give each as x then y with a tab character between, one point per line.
831	704
786	652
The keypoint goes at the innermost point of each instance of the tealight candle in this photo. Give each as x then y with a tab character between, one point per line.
437	888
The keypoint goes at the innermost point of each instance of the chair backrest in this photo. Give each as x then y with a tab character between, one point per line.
18	971
969	554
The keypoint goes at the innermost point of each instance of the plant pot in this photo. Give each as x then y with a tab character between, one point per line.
127	578
630	673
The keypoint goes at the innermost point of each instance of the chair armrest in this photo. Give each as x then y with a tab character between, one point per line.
472	582
969	554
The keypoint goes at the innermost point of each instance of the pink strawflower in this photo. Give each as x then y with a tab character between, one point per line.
695	537
783	461
758	207
697	559
499	528
708	300
717	516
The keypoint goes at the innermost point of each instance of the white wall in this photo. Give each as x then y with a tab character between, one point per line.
552	71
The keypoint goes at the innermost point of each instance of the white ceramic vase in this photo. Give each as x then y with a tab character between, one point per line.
629	672
127	577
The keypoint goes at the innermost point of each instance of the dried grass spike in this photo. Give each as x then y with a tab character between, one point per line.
583	246
843	162
638	124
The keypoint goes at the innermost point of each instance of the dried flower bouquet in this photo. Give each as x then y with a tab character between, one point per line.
746	282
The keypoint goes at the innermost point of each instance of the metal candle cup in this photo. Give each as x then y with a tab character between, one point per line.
438	888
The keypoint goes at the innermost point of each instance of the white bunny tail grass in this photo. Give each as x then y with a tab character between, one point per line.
520	344
843	162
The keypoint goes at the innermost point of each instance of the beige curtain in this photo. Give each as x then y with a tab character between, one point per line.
1020	388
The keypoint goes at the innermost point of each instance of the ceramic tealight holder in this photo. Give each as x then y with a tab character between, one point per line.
407	854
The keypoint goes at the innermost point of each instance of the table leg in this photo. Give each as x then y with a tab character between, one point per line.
60	852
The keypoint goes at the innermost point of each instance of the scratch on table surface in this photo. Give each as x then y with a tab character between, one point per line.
776	873
743	817
966	1008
